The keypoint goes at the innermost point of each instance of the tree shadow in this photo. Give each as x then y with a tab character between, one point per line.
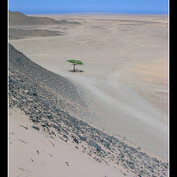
76	70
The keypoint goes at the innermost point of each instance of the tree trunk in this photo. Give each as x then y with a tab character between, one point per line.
74	68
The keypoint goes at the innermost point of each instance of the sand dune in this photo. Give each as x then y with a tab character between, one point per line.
125	72
17	18
23	26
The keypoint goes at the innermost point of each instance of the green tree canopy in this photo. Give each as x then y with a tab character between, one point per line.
75	62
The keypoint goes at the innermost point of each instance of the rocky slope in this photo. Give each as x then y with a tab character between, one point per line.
54	105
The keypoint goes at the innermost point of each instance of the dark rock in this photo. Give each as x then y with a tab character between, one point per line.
35	127
92	143
76	140
56	126
122	156
139	148
53	133
105	143
67	164
45	104
82	138
109	138
50	116
131	165
32	93
64	136
24	126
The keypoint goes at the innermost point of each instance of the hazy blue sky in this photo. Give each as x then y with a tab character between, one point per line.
74	6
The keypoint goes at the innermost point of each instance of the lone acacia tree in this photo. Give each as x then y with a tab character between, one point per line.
74	63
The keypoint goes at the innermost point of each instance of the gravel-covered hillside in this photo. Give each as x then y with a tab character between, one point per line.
54	104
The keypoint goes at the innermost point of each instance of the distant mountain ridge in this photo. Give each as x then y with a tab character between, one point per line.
20	34
18	18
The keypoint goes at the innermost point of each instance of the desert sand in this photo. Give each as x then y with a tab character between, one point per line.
54	106
35	153
125	71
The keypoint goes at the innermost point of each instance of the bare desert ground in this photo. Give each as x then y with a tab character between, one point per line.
125	71
35	153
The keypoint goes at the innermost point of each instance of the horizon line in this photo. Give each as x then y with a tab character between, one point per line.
120	13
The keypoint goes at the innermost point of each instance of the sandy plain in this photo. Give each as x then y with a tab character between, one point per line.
125	71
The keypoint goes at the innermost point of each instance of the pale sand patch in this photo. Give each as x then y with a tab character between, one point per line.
34	153
125	72
155	74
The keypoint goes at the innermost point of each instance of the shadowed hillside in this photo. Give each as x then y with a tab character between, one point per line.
17	18
22	26
20	34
